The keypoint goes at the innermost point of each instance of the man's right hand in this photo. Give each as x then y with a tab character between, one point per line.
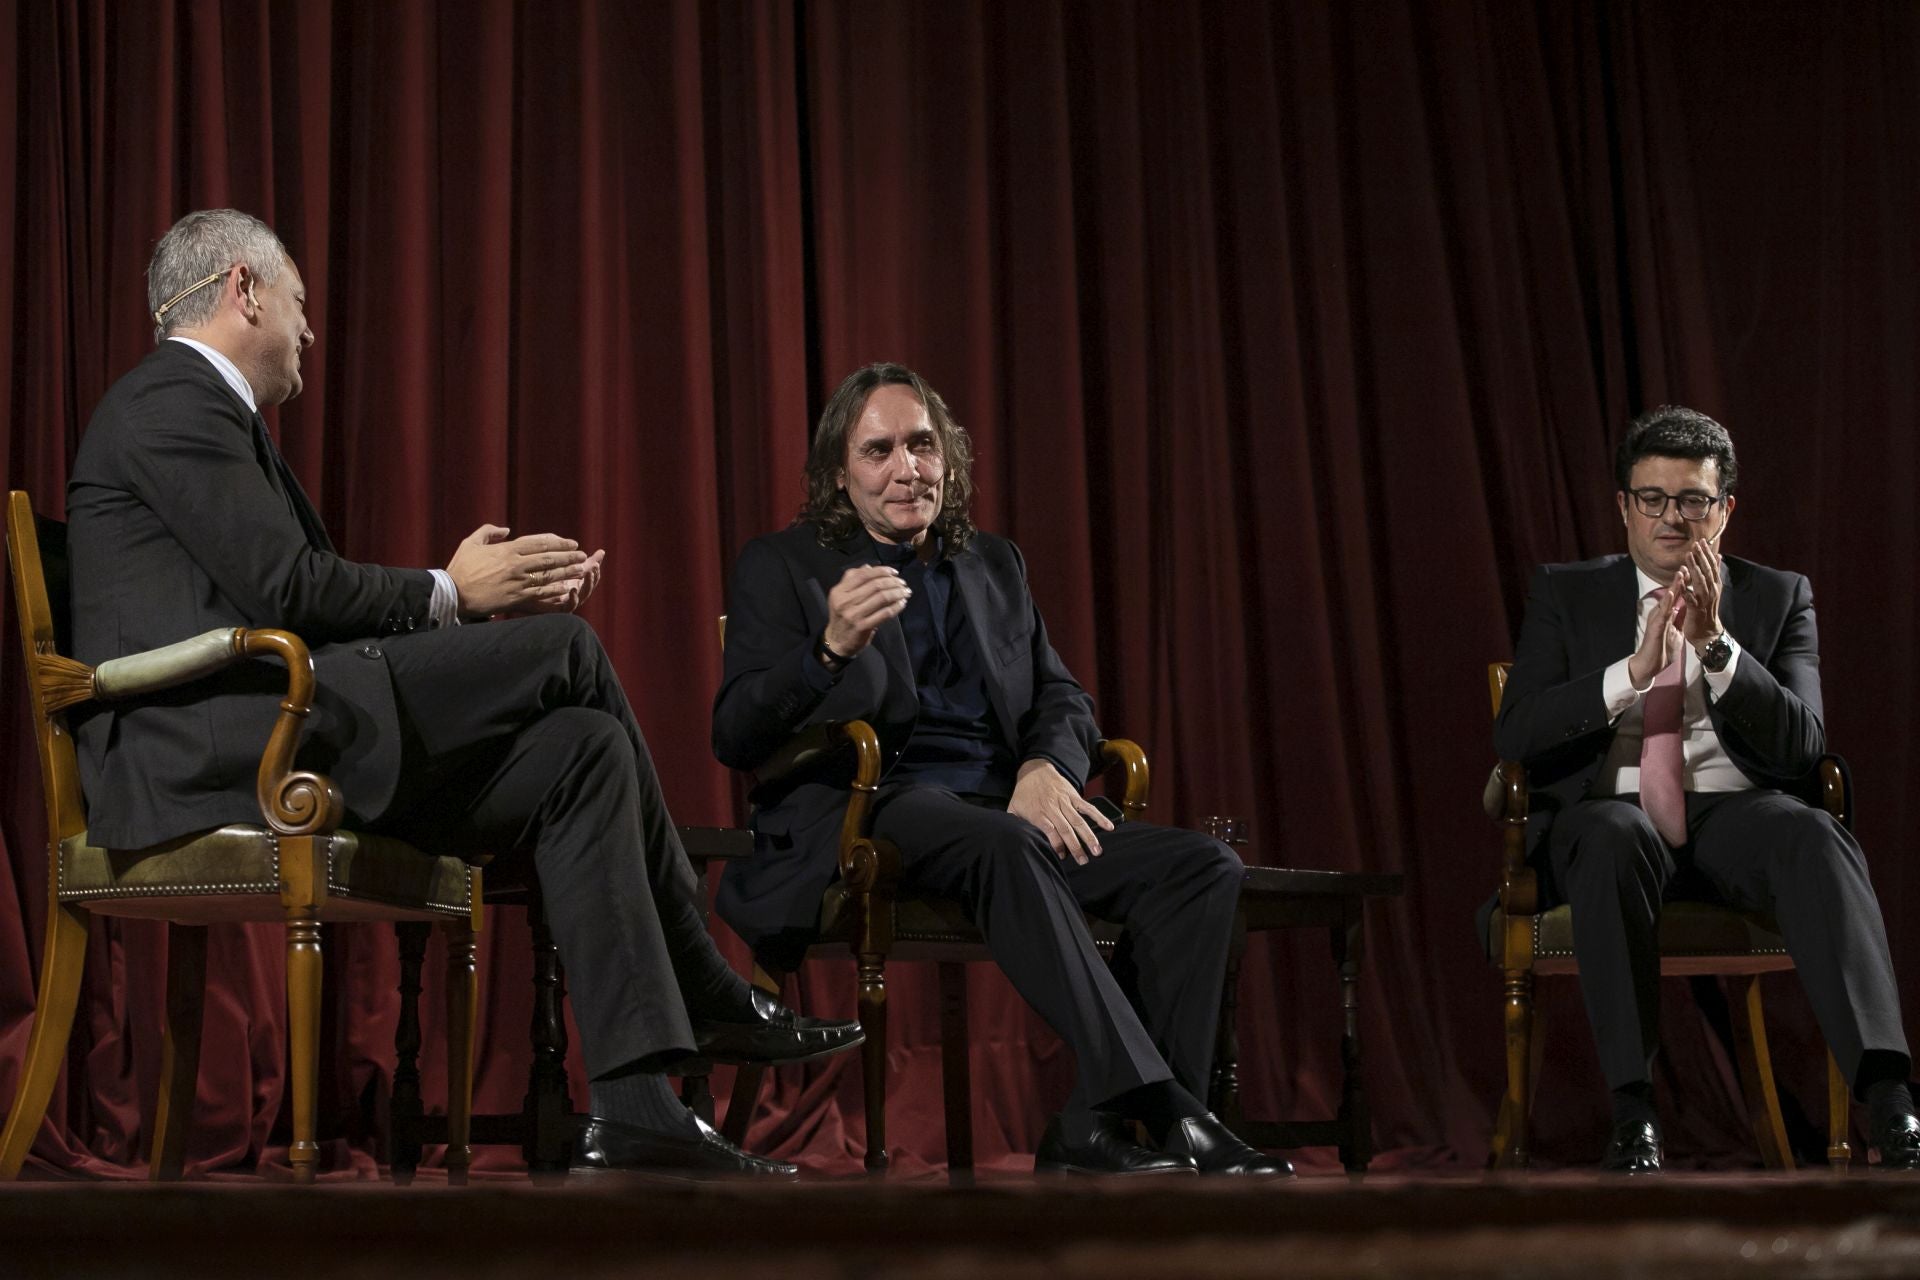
866	596
495	573
1662	641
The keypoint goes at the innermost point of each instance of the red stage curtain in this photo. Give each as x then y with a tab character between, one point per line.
1290	337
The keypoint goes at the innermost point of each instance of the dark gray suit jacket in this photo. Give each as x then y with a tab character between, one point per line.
1580	620
777	609
180	523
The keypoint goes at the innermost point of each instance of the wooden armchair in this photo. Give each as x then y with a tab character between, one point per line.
863	913
1697	939
298	867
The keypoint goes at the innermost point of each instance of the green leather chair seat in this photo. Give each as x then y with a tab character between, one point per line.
1689	932
236	868
923	928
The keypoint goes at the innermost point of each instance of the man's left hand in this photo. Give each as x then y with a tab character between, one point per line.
1701	621
1046	799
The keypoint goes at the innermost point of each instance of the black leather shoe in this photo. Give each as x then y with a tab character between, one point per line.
608	1145
1108	1149
769	1032
1633	1147
1216	1149
1898	1142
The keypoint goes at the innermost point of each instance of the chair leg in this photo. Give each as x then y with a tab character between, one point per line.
1756	1075
1839	1118
406	1112
1223	1091
303	1034
873	1055
62	958
956	1068
546	1132
179	1050
745	1098
1510	1139
463	1000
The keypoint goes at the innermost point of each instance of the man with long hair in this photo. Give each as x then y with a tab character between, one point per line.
884	603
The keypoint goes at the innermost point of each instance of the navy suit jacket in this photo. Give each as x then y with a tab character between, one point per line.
777	609
178	524
1580	620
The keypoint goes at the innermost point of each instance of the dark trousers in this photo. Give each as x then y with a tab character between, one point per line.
1757	850
520	741
1149	1018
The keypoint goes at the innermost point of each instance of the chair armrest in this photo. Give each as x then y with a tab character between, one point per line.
1125	754
1836	789
293	803
165	667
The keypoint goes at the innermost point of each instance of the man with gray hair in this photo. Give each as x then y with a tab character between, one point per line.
503	737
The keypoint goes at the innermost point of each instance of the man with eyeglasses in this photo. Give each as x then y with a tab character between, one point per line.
1667	706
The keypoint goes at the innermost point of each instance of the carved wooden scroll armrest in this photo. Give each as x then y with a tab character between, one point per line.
1836	791
864	865
1123	753
293	803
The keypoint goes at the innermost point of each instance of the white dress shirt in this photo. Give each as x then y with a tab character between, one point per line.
1707	766
444	609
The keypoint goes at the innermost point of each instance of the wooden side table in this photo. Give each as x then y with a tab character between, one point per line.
1278	898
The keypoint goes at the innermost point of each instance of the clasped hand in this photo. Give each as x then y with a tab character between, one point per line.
537	573
1687	612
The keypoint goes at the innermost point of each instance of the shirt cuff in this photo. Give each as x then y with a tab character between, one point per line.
444	608
1617	691
1718	682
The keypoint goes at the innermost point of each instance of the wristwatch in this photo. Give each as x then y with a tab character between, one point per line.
1716	653
836	662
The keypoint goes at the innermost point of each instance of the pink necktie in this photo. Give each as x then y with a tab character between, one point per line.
1661	792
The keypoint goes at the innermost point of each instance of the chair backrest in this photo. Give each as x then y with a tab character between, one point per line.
37	556
1497	682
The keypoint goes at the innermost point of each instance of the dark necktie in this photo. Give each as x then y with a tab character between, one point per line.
281	477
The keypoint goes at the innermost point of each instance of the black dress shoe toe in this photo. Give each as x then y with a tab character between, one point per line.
1898	1142
608	1146
1216	1149
1633	1147
1107	1149
768	1032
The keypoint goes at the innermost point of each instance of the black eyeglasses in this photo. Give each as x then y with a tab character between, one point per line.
1694	505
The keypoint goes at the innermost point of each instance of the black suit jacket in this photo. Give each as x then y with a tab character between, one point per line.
179	522
1580	620
777	609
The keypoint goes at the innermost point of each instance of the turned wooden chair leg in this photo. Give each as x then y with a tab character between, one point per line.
179	1050
406	1111
303	1034
956	1068
546	1134
1839	1118
1510	1139
1756	1075
62	958
463	999
745	1097
1223	1090
873	1055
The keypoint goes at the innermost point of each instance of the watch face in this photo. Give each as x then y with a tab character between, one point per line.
1716	654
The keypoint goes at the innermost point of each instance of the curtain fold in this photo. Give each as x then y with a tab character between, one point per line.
1290	338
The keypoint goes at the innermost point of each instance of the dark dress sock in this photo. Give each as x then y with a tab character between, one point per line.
1158	1107
1633	1104
642	1099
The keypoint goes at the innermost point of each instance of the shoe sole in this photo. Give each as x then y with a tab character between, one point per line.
736	1060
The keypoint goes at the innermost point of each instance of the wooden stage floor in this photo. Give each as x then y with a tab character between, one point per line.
1699	1226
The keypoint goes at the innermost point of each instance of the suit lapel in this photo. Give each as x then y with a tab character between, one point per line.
1736	604
971	574
284	482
